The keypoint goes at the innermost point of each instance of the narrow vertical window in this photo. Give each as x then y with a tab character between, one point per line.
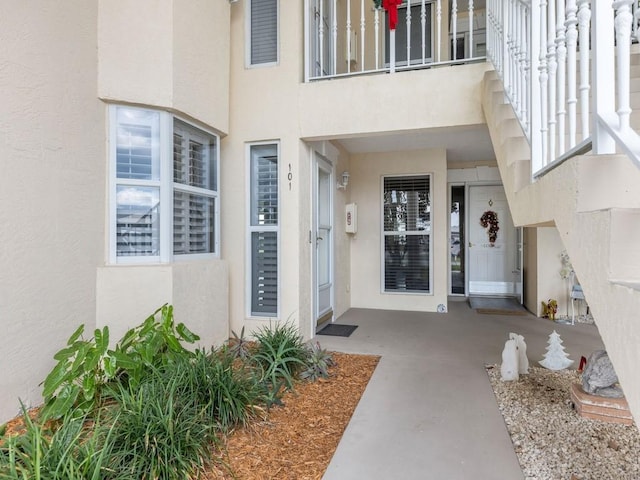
137	167
263	25
407	233
263	228
194	190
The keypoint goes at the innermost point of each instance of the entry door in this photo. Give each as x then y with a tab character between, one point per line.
322	236
493	267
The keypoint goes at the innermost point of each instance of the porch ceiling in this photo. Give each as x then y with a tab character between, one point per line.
463	144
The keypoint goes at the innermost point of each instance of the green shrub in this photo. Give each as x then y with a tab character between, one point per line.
159	431
317	363
280	354
70	452
85	366
211	379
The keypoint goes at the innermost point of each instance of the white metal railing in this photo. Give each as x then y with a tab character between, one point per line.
542	50
349	37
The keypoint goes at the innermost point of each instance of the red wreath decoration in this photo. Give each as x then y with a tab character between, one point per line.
490	219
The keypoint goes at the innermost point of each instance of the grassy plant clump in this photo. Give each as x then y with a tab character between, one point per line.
158	430
280	354
317	363
70	452
229	392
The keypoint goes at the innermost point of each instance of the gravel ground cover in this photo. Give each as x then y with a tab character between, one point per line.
552	441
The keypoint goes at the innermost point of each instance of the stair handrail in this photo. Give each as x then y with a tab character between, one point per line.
540	50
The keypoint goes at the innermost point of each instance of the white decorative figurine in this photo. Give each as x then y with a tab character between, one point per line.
509	367
555	358
523	361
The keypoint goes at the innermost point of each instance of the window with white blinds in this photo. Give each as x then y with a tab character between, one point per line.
407	233
263	27
264	229
194	190
153	216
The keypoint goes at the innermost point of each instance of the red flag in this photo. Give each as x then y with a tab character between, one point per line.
391	6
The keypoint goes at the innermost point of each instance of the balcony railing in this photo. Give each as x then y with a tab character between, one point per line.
350	37
542	50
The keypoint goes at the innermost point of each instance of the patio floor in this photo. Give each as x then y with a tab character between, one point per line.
429	411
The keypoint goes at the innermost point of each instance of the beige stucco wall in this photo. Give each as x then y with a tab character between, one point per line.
198	291
51	188
367	171
177	58
293	110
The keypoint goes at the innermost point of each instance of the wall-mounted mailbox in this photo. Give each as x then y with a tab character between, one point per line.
351	218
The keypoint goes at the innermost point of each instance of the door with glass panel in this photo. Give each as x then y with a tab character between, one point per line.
322	238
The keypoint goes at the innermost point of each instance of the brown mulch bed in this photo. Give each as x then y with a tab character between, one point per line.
297	440
293	441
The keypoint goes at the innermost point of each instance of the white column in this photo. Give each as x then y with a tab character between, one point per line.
376	32
584	18
470	29
544	81
362	35
439	26
561	50
334	30
349	46
603	74
553	67
623	22
536	92
454	23
572	66
423	24
408	32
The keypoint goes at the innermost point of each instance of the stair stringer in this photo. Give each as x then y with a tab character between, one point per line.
569	198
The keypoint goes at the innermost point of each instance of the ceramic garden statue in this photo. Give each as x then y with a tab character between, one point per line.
509	367
523	361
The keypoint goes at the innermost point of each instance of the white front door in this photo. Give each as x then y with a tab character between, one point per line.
493	267
322	239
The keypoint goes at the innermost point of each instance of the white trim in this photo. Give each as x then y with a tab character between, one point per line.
247	40
265	228
319	161
166	188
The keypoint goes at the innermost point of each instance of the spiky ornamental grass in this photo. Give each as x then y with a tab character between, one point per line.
71	452
159	431
281	354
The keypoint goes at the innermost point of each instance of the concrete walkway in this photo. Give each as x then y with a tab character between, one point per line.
429	411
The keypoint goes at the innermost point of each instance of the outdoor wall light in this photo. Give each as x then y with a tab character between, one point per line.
345	181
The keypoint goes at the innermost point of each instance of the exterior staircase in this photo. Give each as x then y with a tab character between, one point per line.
594	202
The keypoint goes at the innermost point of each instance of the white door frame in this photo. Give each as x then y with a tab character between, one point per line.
320	162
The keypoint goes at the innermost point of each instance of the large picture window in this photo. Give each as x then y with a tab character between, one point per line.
264	229
407	233
164	187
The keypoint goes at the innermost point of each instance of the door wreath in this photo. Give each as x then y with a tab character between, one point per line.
489	220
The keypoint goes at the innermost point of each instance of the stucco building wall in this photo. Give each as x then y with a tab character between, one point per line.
52	189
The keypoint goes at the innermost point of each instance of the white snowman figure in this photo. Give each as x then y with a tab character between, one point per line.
509	367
